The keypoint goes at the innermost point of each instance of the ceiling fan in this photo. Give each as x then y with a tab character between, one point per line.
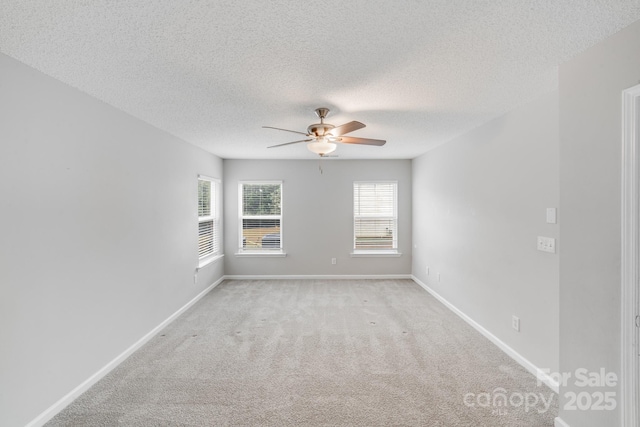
322	137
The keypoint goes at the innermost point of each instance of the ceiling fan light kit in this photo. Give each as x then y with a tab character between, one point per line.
322	137
322	147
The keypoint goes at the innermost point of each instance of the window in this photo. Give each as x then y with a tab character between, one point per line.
375	217
261	217
209	235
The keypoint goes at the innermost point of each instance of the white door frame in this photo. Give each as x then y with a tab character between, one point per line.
630	371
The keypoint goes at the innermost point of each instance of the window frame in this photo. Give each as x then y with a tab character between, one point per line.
373	252
260	252
215	208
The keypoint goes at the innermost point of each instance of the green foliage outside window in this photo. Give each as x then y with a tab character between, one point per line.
204	198
261	199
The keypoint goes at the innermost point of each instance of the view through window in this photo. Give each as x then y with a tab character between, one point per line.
375	216
261	215
208	218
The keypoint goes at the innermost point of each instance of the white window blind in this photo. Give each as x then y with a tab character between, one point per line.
375	217
209	234
261	215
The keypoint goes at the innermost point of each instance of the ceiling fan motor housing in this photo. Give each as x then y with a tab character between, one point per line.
319	129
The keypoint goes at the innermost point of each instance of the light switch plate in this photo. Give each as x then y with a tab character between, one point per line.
515	323
552	215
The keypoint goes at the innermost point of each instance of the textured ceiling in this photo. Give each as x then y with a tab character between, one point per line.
418	73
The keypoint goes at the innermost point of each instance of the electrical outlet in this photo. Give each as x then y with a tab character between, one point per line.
333	261
515	323
547	244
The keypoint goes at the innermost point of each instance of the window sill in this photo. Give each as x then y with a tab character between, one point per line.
262	253
372	254
209	260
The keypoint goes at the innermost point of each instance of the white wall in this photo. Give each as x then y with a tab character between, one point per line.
311	198
97	236
479	203
590	176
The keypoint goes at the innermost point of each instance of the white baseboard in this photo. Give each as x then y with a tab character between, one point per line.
559	423
54	409
553	385
317	277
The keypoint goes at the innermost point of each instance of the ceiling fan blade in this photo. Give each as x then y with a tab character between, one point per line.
286	130
292	142
363	141
346	128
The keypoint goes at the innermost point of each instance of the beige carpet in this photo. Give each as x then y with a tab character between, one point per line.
316	353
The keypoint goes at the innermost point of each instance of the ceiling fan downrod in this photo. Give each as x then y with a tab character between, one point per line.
322	112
